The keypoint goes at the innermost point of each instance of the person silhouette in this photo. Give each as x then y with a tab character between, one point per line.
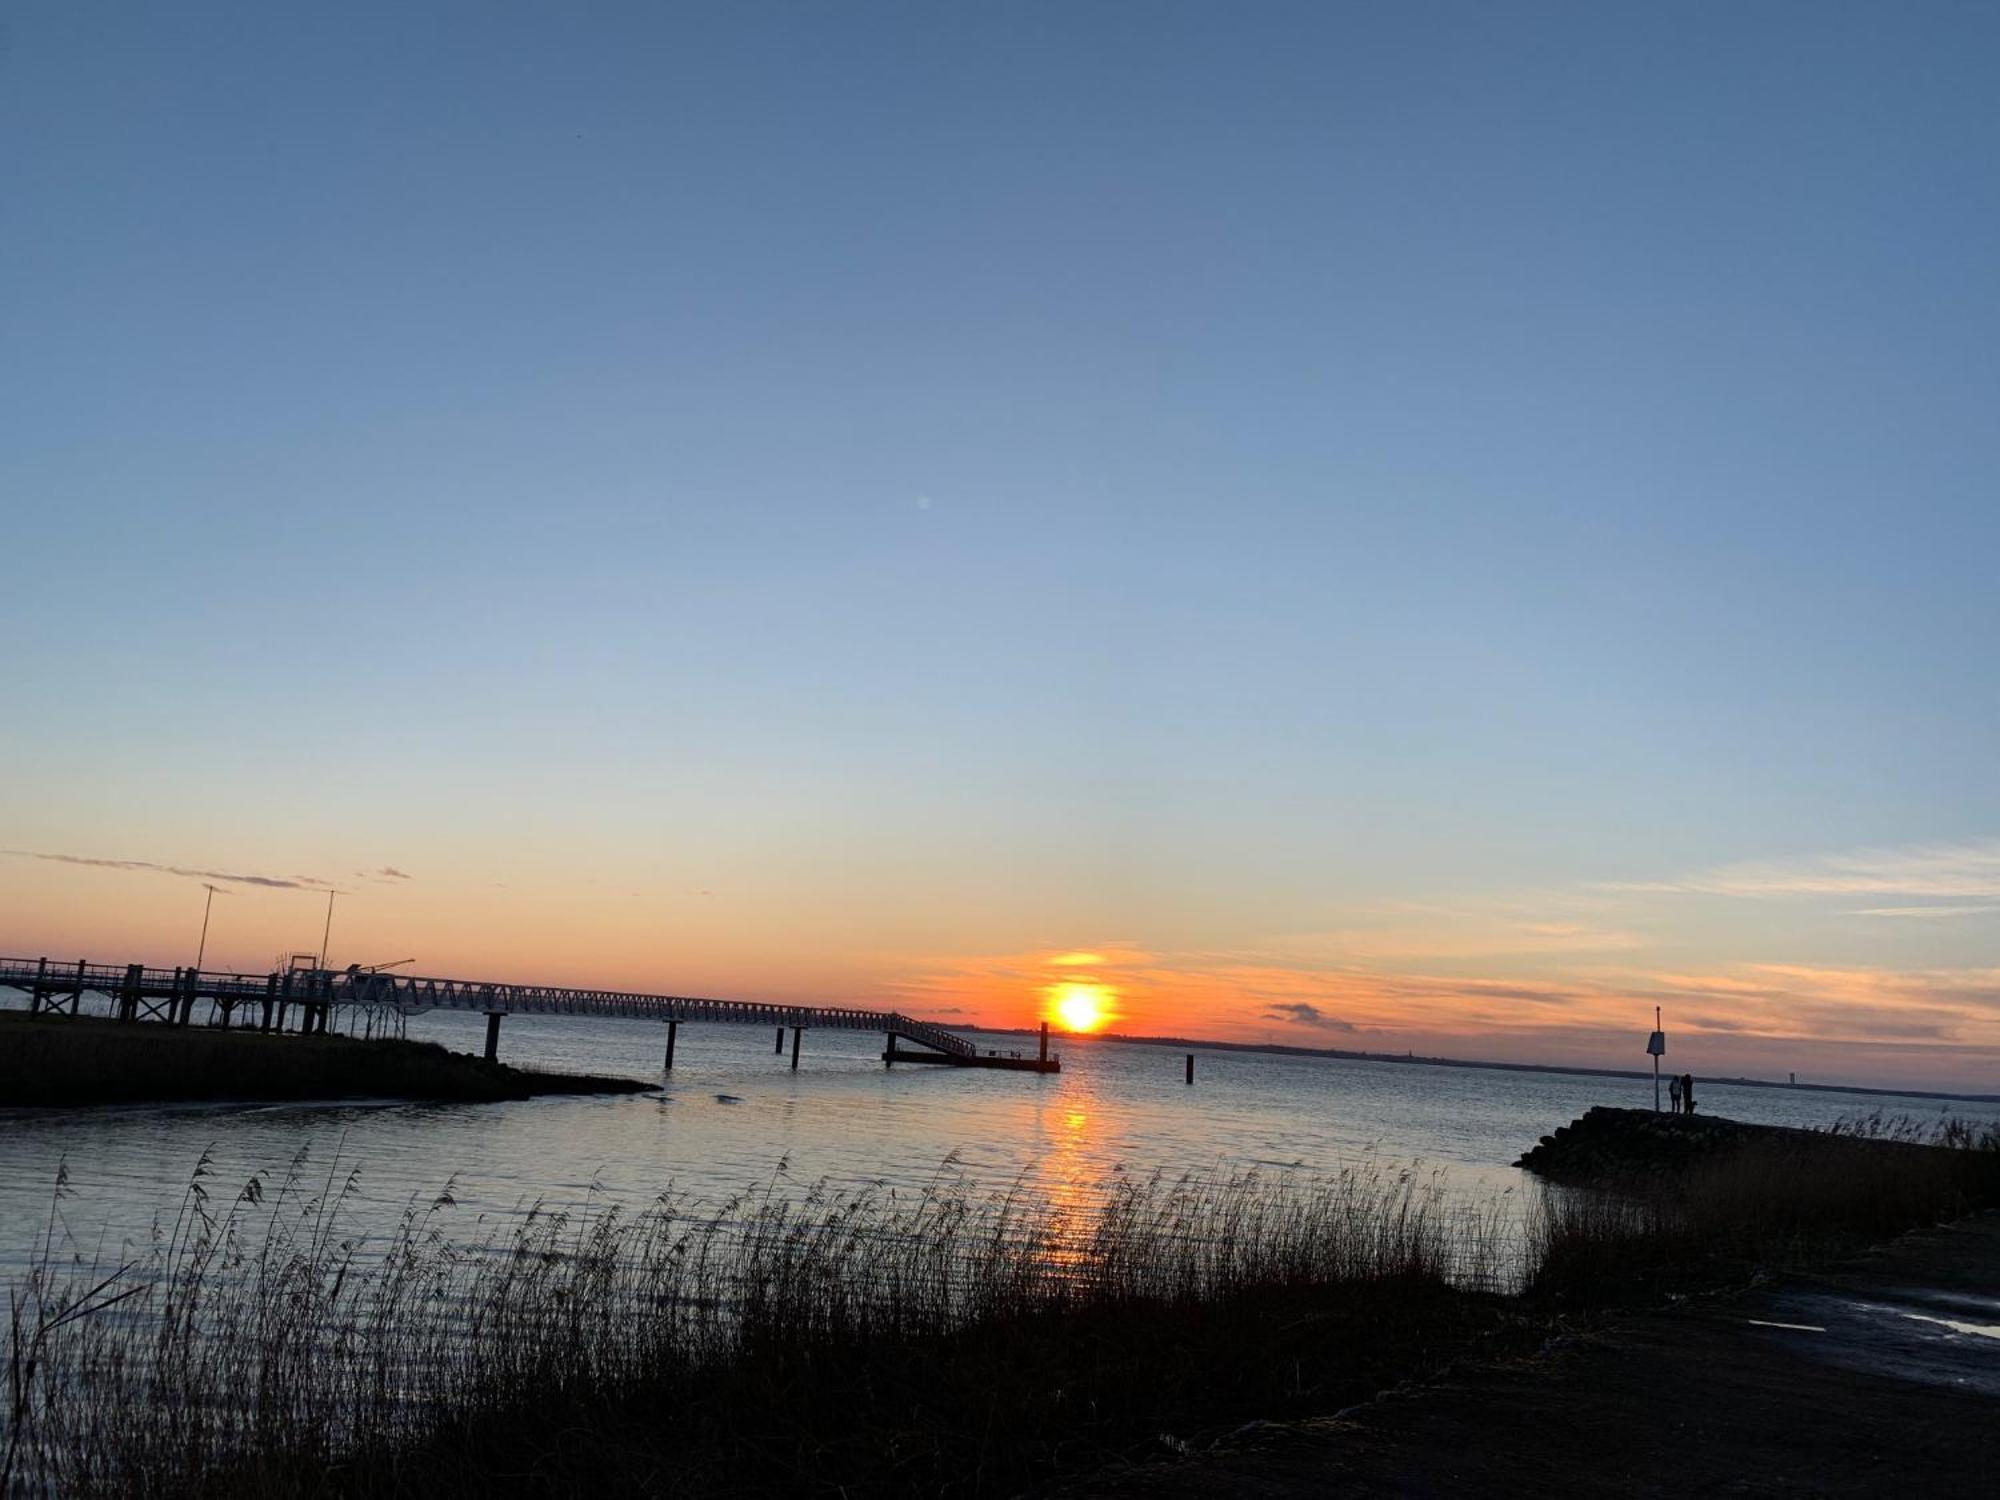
1687	1093
1674	1092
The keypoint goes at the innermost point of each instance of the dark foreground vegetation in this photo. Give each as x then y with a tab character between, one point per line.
947	1344
74	1060
1720	1201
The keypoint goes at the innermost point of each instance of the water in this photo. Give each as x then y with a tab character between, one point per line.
735	1116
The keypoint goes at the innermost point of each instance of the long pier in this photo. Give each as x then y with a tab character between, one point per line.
310	1000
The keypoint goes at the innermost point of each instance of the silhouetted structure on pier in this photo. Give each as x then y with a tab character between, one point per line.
309	1000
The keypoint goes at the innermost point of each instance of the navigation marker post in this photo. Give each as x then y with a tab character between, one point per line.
1656	1044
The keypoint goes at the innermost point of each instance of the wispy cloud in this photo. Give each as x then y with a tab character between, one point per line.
1927	911
1540	924
146	866
1963	871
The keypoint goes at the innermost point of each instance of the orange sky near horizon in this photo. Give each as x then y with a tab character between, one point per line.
1426	980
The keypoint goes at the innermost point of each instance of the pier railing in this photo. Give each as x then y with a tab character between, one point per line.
140	991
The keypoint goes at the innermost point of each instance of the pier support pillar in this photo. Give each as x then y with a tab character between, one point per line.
797	1032
1190	1067
271	1004
76	997
781	1041
889	1054
673	1028
493	1035
1043	1055
128	1000
41	988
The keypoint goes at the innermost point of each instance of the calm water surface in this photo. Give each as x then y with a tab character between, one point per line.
735	1116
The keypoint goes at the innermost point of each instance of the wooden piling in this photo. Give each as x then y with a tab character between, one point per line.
673	1030
780	1048
1043	1056
797	1032
41	988
889	1055
1190	1067
493	1035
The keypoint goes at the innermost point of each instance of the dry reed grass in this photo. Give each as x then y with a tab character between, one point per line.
874	1342
896	1343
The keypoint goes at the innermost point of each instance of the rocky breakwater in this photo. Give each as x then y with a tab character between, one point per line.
1609	1147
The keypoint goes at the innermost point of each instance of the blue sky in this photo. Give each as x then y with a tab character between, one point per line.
952	482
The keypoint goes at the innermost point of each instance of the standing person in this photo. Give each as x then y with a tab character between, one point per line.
1674	1093
1687	1093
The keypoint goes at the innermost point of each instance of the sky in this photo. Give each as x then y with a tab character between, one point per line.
1433	527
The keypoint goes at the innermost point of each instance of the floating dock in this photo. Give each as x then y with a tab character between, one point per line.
1011	1061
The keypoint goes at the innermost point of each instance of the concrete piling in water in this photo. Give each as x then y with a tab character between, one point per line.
673	1029
493	1035
780	1048
797	1032
1190	1067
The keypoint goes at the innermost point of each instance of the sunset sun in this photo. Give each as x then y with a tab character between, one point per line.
1079	1005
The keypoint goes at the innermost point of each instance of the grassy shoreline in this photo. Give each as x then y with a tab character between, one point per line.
865	1344
70	1061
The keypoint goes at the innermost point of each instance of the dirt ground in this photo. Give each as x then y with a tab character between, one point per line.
1877	1378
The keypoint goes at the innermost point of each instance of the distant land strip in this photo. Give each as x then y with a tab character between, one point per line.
1412	1058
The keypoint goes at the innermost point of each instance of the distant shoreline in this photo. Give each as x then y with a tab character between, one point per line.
1342	1054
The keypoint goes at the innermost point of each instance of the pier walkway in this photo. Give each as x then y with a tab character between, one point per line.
314	999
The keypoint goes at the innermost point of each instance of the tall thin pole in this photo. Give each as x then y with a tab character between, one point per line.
202	948
1656	1064
327	933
